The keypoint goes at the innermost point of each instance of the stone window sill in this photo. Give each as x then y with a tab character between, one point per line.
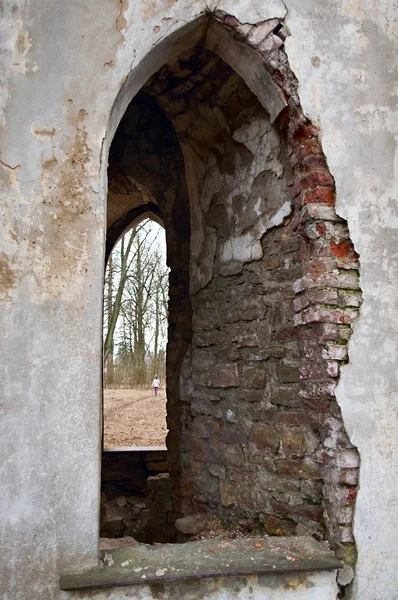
143	564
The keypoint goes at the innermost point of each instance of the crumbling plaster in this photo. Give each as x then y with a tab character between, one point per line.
347	86
64	66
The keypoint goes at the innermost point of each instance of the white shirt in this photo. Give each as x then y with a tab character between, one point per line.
155	382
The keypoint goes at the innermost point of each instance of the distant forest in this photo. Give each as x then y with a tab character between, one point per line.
135	308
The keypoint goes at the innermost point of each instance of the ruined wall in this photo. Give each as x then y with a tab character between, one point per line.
263	439
59	110
127	504
244	359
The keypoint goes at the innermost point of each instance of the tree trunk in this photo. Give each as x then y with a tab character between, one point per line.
108	345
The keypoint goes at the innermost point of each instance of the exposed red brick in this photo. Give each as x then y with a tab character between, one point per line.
304	131
309	148
317	179
343	249
324	246
318	267
315	162
319	196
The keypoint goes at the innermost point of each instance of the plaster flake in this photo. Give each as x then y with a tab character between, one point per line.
363	195
250	134
42	132
283	212
23	44
12	174
8	279
244	248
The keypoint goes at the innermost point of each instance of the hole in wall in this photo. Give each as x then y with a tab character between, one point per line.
135	336
255	435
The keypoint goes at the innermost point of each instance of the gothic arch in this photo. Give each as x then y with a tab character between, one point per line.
327	294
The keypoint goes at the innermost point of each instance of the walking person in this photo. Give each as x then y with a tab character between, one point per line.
155	385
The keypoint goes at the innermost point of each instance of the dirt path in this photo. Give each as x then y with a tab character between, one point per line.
134	418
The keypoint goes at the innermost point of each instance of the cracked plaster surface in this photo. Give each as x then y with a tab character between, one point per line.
336	51
347	88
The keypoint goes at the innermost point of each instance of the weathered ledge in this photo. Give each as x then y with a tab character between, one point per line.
143	564
135	449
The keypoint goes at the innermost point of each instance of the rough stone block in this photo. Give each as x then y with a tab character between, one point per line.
312	488
227	493
315	296
317	404
272	482
344	534
288	373
350	298
253	376
294	441
314	368
216	470
320	314
194	524
265	436
234	455
224	376
349	476
232	433
299	469
275	526
333	368
318	389
344	515
203	427
308	511
286	396
211	337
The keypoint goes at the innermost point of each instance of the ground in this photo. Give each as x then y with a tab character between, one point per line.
134	418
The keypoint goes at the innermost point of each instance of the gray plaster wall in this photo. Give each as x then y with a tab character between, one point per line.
345	58
70	69
303	586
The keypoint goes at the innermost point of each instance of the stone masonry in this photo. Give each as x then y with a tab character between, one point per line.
256	434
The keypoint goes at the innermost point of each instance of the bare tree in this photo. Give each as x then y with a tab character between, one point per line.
114	310
136	307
